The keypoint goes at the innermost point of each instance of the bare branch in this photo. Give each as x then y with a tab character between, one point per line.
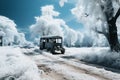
117	15
96	30
100	32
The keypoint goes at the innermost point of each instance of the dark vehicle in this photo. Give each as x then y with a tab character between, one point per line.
52	44
1	40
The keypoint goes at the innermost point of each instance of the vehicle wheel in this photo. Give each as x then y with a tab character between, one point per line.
52	51
41	48
48	49
62	51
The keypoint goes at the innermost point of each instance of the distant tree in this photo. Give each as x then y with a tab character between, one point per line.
70	36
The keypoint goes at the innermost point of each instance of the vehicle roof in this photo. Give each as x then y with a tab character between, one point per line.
51	37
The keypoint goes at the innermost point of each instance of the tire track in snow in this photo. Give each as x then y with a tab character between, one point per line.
60	62
74	68
51	74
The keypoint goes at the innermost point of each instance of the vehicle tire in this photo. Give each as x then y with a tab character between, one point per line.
41	48
48	49
62	51
52	51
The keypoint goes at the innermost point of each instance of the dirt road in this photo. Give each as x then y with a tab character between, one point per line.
56	68
62	67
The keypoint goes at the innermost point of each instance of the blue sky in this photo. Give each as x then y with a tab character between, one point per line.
24	11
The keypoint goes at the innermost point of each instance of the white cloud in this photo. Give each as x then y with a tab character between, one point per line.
49	10
62	2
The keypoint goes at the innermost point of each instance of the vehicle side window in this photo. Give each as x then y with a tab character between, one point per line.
59	40
50	40
42	40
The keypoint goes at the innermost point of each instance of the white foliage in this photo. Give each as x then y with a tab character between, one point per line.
20	39
9	32
89	13
2	33
100	41
70	36
47	24
79	41
8	27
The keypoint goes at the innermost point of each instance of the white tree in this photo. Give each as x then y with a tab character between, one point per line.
70	36
47	23
98	15
80	37
9	32
8	27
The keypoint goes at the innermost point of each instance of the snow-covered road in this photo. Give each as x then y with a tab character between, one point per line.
61	70
57	67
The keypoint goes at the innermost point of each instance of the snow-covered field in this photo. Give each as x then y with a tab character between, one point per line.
96	55
13	64
75	64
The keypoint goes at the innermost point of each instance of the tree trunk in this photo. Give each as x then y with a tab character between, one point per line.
113	36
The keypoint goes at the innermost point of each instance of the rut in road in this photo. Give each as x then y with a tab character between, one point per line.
51	74
70	66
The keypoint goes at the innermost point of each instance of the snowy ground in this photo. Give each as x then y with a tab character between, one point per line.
14	65
70	66
75	64
101	56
